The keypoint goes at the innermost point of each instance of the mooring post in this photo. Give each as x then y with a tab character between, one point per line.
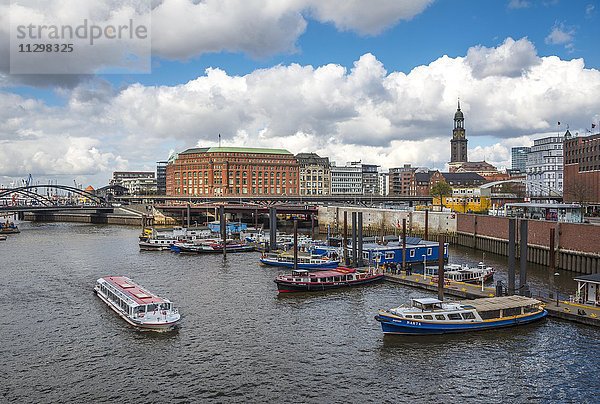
188	215
441	267
426	237
359	230
523	259
345	240
295	244
552	252
354	239
272	229
404	244
312	225
512	227
256	218
223	223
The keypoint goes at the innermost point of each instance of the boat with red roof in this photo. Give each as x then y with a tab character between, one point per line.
301	280
135	304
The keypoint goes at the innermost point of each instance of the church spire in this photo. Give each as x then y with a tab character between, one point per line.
458	151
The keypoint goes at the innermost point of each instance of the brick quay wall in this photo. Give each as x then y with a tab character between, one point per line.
577	245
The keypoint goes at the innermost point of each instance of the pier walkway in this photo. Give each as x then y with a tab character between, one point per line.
458	289
565	310
581	313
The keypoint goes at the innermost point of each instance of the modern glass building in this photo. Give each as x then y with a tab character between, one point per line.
519	158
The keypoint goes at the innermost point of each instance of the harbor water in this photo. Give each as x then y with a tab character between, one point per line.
239	341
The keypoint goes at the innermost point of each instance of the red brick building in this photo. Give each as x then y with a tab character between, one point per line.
232	171
402	181
581	156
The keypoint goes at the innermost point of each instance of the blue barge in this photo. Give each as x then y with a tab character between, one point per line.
418	252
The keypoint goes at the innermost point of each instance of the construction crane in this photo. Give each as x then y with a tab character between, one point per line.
28	181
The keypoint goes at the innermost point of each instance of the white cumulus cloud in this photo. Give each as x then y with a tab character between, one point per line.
561	35
510	59
360	113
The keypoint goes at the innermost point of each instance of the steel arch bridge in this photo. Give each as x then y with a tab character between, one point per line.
30	191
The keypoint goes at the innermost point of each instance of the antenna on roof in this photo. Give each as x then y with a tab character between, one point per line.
219	140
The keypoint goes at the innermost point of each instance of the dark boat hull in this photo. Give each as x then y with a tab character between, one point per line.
214	250
286	287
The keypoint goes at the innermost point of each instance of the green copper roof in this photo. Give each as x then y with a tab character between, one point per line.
235	150
195	150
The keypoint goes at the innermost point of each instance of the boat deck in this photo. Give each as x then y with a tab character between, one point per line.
499	303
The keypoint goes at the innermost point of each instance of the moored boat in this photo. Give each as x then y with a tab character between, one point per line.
304	262
158	240
136	305
464	273
9	228
2	237
432	316
211	247
302	280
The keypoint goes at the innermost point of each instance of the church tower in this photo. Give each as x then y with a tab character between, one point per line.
458	144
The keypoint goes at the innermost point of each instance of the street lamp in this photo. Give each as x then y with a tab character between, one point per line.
556	286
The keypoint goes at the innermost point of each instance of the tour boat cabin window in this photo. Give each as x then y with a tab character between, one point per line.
468	315
428	317
417	316
440	317
486	315
412	253
389	255
530	309
454	316
515	311
429	251
408	316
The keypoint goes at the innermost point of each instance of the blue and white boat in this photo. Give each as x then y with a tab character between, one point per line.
9	228
418	252
432	316
311	263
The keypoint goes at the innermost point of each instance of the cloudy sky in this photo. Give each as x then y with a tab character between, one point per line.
376	81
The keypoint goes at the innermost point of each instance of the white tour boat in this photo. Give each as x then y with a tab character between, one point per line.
136	305
464	273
